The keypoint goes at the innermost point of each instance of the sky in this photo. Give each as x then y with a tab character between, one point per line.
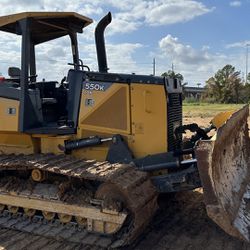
194	37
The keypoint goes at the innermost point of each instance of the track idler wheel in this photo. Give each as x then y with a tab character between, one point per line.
48	215
113	198
113	201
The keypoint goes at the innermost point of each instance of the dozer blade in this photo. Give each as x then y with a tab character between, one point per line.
224	168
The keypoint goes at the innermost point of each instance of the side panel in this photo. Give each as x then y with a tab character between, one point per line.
104	111
9	113
149	119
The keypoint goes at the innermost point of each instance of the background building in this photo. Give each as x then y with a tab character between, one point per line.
193	92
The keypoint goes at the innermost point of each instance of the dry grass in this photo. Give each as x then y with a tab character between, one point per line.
202	113
205	110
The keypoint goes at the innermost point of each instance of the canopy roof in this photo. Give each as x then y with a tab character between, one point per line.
45	26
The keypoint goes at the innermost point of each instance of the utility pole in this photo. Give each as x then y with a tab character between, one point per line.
247	45
172	67
153	66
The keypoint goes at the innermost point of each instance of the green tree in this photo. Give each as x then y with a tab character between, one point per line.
172	74
248	78
225	86
245	93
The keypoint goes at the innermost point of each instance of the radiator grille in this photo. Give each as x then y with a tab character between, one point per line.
174	117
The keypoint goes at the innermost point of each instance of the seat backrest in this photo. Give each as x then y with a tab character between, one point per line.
14	72
47	89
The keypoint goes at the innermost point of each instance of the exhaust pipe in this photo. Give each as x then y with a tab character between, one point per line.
100	43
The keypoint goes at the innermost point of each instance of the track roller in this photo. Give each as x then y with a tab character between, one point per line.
65	218
29	212
13	209
48	215
81	221
38	175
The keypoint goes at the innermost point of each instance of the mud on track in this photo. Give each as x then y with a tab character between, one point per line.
180	224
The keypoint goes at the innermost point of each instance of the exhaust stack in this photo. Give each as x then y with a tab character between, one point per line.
100	42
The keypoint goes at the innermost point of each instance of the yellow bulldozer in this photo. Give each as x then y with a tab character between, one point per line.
86	158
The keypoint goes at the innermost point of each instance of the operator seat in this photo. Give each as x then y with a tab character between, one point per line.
14	74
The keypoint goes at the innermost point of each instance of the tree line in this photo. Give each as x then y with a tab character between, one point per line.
226	86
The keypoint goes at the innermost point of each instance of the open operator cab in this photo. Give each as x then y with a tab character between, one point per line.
43	106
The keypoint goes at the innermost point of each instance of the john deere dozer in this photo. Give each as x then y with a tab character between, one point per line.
84	159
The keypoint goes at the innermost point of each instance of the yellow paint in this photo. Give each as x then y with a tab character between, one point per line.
109	115
137	111
59	207
149	119
143	123
221	118
16	143
50	144
9	112
109	112
99	153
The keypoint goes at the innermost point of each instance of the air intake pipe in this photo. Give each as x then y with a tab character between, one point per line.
100	43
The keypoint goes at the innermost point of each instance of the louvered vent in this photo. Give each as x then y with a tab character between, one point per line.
174	119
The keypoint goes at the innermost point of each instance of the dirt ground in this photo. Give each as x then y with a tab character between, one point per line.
180	224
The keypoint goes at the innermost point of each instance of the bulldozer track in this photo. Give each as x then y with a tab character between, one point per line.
135	186
15	240
181	223
64	165
38	226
